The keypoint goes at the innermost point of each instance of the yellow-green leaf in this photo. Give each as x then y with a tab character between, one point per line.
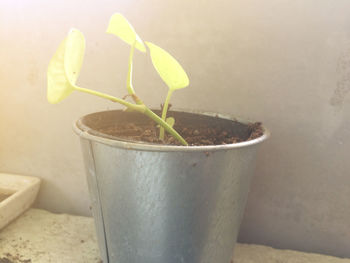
65	66
168	68
119	26
74	55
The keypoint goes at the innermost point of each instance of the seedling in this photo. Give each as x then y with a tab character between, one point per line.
172	74
65	65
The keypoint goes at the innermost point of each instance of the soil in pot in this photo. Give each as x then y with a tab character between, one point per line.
197	130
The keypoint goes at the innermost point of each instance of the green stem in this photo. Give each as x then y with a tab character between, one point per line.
129	77
129	85
164	112
166	126
139	108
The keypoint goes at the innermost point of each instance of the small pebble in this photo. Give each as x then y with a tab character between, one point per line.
147	133
206	142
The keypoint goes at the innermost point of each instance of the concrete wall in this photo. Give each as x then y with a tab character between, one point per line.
283	62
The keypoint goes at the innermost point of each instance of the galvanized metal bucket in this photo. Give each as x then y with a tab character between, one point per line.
165	204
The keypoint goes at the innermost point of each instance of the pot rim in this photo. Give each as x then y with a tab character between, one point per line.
83	131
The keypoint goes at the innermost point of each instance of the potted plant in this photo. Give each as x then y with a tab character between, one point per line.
165	186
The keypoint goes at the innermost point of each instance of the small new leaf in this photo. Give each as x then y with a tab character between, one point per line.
119	26
170	121
168	68
64	67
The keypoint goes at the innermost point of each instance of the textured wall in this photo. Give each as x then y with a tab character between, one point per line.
284	62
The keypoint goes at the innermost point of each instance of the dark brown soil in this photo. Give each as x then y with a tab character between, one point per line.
195	129
194	136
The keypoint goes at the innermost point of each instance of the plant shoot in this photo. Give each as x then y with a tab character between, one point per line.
65	66
171	72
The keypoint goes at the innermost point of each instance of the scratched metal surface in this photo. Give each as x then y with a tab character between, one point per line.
167	205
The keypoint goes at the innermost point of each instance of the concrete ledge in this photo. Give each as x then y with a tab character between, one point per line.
262	254
39	236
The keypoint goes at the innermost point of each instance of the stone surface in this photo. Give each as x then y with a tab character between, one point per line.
17	194
255	253
39	236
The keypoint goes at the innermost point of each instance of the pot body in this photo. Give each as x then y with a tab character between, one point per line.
166	204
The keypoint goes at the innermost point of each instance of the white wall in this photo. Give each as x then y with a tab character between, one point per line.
284	62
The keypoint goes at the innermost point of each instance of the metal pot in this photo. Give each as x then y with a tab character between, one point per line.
165	204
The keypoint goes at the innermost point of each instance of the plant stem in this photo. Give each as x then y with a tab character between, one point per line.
129	76
129	85
166	126
140	108
164	112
